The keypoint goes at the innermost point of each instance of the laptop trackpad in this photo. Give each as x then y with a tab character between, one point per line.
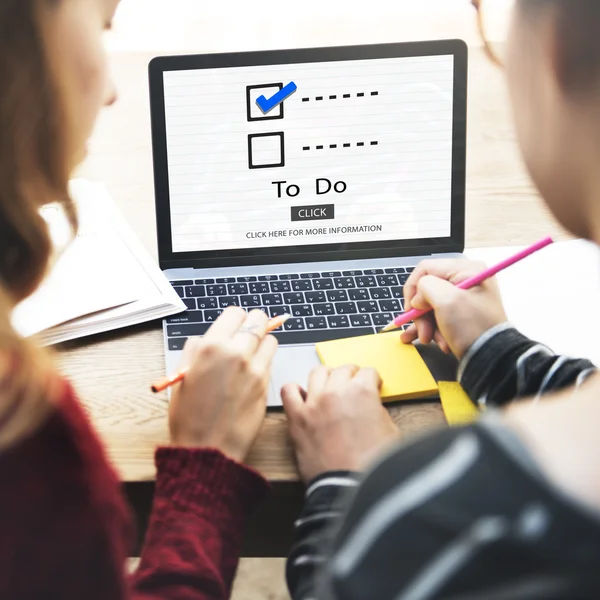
292	364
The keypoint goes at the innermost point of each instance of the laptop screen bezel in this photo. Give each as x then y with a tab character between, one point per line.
317	252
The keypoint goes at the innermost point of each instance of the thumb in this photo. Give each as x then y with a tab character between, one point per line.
292	396
434	292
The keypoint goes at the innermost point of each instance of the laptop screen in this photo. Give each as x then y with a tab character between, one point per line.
354	152
255	156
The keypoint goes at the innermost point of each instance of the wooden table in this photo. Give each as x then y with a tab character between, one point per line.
112	371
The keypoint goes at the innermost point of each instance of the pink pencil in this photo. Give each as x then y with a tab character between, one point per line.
413	314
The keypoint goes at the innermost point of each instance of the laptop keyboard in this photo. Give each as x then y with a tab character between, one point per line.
324	305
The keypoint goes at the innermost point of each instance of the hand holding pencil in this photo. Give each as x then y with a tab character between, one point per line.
459	316
222	401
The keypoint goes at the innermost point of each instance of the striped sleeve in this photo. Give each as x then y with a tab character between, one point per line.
456	516
504	365
325	498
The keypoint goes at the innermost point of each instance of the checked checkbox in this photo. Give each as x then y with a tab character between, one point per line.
253	92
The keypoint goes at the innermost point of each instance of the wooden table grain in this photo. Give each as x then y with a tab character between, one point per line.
112	372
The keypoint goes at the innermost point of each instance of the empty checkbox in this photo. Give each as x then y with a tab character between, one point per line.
266	150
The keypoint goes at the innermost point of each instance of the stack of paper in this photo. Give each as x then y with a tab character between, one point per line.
103	280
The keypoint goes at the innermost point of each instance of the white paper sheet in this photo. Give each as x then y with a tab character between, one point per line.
553	296
103	280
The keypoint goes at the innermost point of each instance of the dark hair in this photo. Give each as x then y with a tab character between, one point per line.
578	23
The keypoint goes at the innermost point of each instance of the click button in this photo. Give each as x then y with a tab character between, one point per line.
315	212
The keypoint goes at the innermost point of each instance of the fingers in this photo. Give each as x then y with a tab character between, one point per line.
409	335
227	324
452	270
441	342
341	376
293	401
369	377
317	380
263	358
251	333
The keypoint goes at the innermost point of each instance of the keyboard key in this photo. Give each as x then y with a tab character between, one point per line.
309	275
387	280
337	296
394	306
323	309
280	286
262	287
360	320
314	297
410	269
294	298
194	291
246	279
268	278
294	325
380	293
237	289
209	302
226	280
323	284
182	283
288	277
277	311
342	283
367	307
190	316
212	315
346	308
179	291
317	323
338	322
363	282
303	285
302	310
373	271
313	336
396	270
204	281
360	294
354	273
250	301
216	290
272	299
187	330
398	292
402	279
331	274
177	343
190	303
381	319
225	301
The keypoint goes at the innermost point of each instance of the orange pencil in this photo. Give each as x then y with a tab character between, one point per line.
163	384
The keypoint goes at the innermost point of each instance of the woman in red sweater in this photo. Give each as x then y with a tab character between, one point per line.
64	528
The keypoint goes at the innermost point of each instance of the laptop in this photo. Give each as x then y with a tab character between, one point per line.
306	181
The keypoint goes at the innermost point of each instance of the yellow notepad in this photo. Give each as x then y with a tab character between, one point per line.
404	373
458	407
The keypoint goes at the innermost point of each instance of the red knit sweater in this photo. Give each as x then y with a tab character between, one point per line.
65	530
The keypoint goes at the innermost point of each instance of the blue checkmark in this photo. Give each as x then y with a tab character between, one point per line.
268	104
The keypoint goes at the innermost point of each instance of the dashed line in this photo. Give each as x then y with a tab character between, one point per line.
335	96
345	145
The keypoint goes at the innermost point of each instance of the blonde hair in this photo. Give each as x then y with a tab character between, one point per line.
33	172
